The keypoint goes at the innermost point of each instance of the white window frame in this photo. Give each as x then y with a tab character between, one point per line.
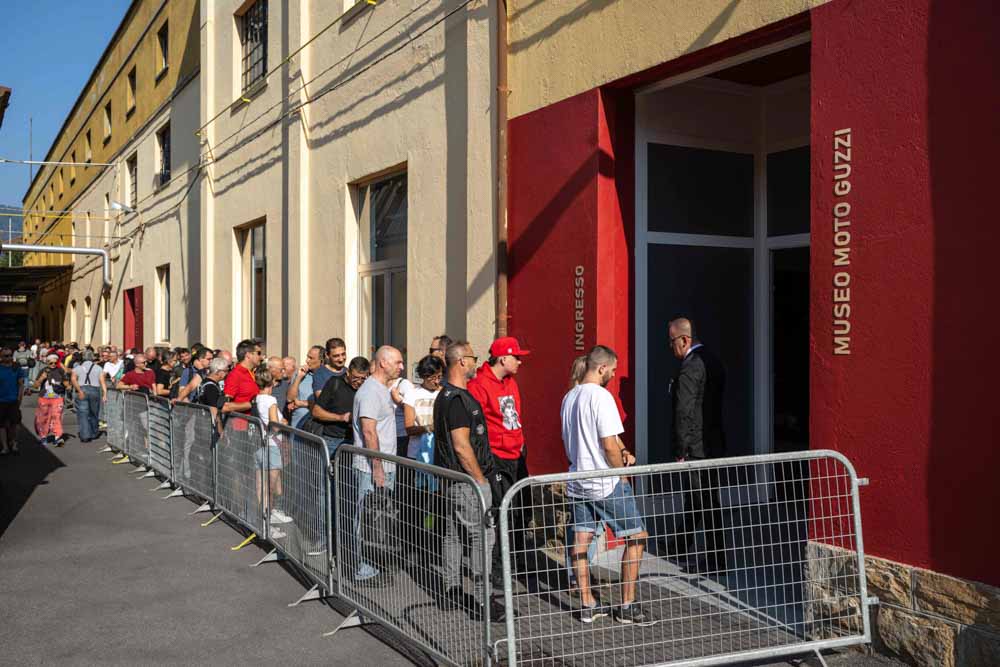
762	245
163	303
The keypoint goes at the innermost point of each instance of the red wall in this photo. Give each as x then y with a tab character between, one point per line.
911	406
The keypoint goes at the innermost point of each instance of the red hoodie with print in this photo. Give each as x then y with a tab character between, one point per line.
501	402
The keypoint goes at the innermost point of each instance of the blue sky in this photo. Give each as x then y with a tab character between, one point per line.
46	81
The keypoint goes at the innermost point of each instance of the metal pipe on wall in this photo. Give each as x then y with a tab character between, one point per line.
501	201
67	250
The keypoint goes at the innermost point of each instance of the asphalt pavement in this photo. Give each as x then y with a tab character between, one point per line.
96	567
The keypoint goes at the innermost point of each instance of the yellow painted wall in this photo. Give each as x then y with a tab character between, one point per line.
134	44
559	48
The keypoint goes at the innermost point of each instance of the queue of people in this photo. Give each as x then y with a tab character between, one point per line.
458	414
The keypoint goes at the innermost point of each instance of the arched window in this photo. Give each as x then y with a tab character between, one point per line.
88	324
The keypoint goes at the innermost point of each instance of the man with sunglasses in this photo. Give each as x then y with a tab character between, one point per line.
696	397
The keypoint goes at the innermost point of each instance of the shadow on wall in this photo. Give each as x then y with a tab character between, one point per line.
963	141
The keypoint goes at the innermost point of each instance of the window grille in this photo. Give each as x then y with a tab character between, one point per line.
253	34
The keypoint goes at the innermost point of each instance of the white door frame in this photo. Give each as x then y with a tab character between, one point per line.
760	243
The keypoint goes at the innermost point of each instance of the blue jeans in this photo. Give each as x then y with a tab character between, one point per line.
87	410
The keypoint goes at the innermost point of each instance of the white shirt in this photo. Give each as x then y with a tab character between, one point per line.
262	406
589	413
111	369
422	402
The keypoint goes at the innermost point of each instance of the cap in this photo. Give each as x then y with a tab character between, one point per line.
508	345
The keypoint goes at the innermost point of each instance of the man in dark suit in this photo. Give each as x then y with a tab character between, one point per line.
696	394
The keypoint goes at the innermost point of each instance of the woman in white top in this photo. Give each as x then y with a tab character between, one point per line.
418	409
266	409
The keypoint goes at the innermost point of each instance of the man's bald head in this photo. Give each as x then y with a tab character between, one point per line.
682	337
387	364
681	326
275	366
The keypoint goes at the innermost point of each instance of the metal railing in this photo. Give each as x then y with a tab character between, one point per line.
695	563
159	435
414	555
244	487
114	417
193	436
137	426
301	528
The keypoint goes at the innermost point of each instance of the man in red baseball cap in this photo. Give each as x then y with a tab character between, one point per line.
497	392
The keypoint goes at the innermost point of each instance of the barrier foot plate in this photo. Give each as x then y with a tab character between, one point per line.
272	557
176	493
251	538
211	521
205	507
313	593
354	620
141	468
819	656
107	448
164	485
123	459
149	473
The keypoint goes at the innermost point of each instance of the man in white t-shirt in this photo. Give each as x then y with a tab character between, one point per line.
591	425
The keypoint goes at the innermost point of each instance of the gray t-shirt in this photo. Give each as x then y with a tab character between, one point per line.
374	401
88	374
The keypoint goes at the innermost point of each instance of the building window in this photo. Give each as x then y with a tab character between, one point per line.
107	121
163	153
162	49
59	181
253	304
163	303
72	320
132	171
88	153
87	321
382	263
72	168
253	39
130	93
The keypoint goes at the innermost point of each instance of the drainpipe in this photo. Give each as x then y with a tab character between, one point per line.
501	201
67	250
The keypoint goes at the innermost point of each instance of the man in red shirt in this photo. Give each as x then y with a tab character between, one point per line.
497	392
241	387
139	378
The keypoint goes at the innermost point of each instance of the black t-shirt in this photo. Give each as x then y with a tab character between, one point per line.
337	397
456	408
211	394
163	376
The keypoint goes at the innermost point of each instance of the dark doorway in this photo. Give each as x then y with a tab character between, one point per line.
790	335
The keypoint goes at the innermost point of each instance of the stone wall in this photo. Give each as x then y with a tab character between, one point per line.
923	617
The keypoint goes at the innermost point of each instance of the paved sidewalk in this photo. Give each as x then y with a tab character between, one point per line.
96	569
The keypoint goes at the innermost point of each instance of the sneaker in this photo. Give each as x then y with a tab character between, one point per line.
4	451
633	615
277	516
60	442
365	572
315	550
590	614
277	534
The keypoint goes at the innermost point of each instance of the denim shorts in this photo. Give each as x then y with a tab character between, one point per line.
273	455
618	511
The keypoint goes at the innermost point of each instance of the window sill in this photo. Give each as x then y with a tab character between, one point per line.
249	94
161	183
161	73
354	11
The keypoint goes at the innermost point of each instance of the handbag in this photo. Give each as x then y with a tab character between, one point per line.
310	425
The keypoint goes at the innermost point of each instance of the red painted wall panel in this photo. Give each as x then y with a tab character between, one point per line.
916	82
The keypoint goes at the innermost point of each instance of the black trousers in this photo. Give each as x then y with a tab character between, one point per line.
702	512
505	474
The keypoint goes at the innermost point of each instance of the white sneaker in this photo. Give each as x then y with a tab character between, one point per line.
277	534
277	516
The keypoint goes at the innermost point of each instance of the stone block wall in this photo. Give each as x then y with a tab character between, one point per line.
923	618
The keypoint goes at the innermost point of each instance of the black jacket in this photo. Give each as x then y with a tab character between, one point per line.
444	450
696	393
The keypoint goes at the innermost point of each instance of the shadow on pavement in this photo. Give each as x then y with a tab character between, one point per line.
20	474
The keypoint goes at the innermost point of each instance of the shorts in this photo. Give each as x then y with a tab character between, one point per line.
10	414
273	456
618	511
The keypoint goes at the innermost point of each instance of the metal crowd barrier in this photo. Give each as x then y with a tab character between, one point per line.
695	563
244	488
193	436
404	545
137	427
301	527
114	417
159	435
